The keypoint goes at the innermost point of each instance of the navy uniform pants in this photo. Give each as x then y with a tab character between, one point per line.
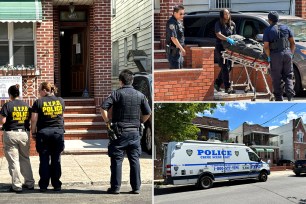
129	142
223	76
175	59
282	69
49	145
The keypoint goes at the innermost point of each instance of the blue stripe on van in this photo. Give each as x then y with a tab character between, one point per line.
216	163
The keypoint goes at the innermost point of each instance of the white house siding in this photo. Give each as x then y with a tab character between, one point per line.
285	131
245	5
237	132
133	16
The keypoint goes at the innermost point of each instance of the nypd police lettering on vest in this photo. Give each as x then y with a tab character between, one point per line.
175	38
130	108
279	46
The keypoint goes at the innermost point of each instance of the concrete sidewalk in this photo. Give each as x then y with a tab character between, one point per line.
91	169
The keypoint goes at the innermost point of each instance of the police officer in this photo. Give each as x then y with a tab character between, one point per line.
127	105
47	126
15	116
224	28
279	46
175	38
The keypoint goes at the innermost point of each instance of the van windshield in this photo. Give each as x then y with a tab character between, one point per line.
298	28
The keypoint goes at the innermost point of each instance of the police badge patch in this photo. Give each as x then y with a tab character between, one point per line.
237	153
171	26
189	152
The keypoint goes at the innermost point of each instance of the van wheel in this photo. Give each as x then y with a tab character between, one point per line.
205	182
263	176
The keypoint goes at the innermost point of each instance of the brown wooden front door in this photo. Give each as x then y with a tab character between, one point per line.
73	49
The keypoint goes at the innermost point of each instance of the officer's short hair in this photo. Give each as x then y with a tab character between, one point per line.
177	8
126	76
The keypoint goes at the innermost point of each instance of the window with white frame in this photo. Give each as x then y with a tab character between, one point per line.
134	41
156	4
218	4
125	51
300	136
281	139
113	8
17	44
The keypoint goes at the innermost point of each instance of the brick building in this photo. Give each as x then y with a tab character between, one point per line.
211	128
291	140
68	44
258	138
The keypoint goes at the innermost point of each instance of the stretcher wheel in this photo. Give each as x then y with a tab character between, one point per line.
246	89
271	98
253	99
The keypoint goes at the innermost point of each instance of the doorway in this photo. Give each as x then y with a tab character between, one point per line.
73	61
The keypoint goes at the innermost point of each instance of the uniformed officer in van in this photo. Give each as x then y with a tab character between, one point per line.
130	108
175	38
279	46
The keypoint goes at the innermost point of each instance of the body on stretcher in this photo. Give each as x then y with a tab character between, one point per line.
246	61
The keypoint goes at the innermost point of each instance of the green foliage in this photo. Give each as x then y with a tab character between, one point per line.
173	121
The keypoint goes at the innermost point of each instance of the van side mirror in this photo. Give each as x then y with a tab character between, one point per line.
259	37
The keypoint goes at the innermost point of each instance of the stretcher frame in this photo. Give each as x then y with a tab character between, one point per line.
253	63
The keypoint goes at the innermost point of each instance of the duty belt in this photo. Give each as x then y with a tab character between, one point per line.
17	130
129	129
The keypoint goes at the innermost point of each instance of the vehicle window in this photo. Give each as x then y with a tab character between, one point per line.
253	156
142	84
193	26
210	28
298	28
252	27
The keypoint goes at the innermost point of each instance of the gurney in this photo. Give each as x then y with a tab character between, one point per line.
255	65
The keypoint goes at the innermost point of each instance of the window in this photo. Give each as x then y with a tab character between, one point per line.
214	135
113	11
282	154
281	139
253	156
17	44
300	136
156	4
252	27
125	51
134	41
220	4
115	59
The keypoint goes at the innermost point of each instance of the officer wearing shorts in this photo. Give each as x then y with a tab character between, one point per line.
279	46
15	116
130	108
175	38
47	125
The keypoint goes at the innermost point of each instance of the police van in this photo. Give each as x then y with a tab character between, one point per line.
203	162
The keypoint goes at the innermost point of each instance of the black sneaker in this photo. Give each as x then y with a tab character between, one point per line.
43	190
135	191
26	187
112	191
15	191
217	87
57	189
230	90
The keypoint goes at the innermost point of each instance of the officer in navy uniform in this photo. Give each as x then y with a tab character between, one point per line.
279	46
175	38
130	108
47	125
224	28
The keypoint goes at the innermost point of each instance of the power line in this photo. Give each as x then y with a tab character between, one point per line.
279	114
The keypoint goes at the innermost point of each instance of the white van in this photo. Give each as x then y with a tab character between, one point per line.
202	163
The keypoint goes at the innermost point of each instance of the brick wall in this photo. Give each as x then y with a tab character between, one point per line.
298	126
300	8
101	75
248	127
56	34
194	84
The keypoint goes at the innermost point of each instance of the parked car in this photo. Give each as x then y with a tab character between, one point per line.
284	162
299	167
143	83
200	30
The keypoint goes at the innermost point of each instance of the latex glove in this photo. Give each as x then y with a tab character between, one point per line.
291	55
230	41
269	59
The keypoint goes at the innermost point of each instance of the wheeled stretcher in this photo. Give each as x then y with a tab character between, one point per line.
256	65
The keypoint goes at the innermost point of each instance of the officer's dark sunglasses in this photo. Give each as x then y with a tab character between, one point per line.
182	14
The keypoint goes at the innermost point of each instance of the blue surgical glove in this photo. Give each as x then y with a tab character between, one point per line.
230	41
291	55
269	59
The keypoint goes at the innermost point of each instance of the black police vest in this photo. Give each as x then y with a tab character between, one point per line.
126	112
281	43
179	28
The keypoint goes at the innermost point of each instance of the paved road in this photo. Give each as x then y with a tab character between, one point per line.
279	189
78	194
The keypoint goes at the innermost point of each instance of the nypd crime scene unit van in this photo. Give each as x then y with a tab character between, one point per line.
203	162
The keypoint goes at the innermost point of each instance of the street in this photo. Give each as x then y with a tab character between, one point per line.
78	194
280	188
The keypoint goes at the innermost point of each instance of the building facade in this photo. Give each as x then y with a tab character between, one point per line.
211	128
291	140
131	29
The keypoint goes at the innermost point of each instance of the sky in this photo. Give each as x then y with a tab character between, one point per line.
272	114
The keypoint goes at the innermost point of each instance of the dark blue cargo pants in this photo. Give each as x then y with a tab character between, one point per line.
175	58
226	68
49	145
282	69
129	142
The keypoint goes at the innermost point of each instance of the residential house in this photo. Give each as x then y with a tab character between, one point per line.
291	139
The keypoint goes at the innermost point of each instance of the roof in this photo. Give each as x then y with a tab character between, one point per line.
211	127
260	132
